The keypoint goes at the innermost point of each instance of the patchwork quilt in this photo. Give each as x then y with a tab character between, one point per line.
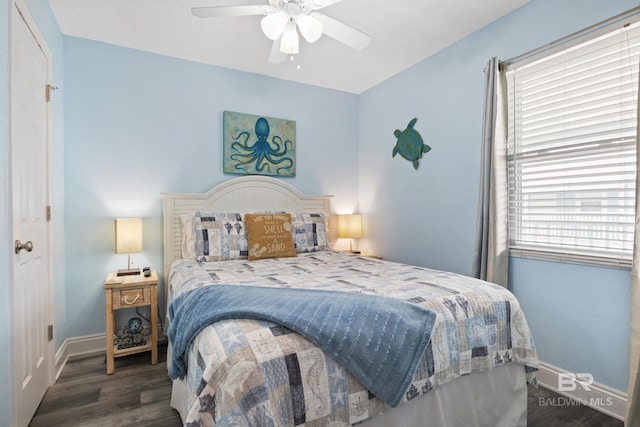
258	373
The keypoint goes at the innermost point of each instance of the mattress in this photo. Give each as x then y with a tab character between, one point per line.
254	372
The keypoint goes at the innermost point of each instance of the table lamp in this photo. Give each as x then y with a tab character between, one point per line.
350	227
128	240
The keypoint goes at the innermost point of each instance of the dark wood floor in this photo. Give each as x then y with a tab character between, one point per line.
138	394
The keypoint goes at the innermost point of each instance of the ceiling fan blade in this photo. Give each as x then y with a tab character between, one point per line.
223	11
343	33
276	56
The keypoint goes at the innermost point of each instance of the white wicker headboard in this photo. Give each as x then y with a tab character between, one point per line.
244	194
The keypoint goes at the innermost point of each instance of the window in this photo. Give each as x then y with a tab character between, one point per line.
572	150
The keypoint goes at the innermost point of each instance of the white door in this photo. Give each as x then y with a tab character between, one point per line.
29	180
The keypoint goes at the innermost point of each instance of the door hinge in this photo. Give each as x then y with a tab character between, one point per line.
48	213
50	332
50	88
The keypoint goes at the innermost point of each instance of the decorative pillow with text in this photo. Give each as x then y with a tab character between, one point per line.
269	236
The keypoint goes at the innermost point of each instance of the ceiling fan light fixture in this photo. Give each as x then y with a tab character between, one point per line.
310	27
290	42
274	24
281	20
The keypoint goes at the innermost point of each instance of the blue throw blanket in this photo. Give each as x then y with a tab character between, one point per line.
380	340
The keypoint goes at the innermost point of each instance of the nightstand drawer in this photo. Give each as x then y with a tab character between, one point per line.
131	297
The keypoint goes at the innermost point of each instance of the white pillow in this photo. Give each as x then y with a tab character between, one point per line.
188	236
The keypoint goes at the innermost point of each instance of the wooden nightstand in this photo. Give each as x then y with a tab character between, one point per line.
130	292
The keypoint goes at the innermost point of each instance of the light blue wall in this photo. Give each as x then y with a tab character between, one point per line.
579	316
427	217
138	124
6	380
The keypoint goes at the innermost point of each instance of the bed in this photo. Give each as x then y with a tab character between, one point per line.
471	352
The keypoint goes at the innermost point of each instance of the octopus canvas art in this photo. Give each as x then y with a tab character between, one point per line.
258	145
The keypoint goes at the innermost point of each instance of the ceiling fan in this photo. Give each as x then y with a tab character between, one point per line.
284	18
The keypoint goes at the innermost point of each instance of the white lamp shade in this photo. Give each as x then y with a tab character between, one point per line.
310	27
350	226
128	233
290	42
274	24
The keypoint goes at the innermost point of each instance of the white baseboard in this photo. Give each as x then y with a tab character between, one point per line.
78	346
597	396
86	345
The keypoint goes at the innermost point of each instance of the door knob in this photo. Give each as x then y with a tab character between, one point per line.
27	246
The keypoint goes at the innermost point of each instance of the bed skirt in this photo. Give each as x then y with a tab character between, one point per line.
496	398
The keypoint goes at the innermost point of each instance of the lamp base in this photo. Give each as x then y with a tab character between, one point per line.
129	272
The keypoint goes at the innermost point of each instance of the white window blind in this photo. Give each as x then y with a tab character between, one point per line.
571	151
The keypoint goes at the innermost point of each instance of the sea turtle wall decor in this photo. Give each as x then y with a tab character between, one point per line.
410	144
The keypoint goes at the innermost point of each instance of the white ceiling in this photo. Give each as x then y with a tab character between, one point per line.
403	32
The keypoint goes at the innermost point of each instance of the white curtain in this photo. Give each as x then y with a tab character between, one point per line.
632	418
491	251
